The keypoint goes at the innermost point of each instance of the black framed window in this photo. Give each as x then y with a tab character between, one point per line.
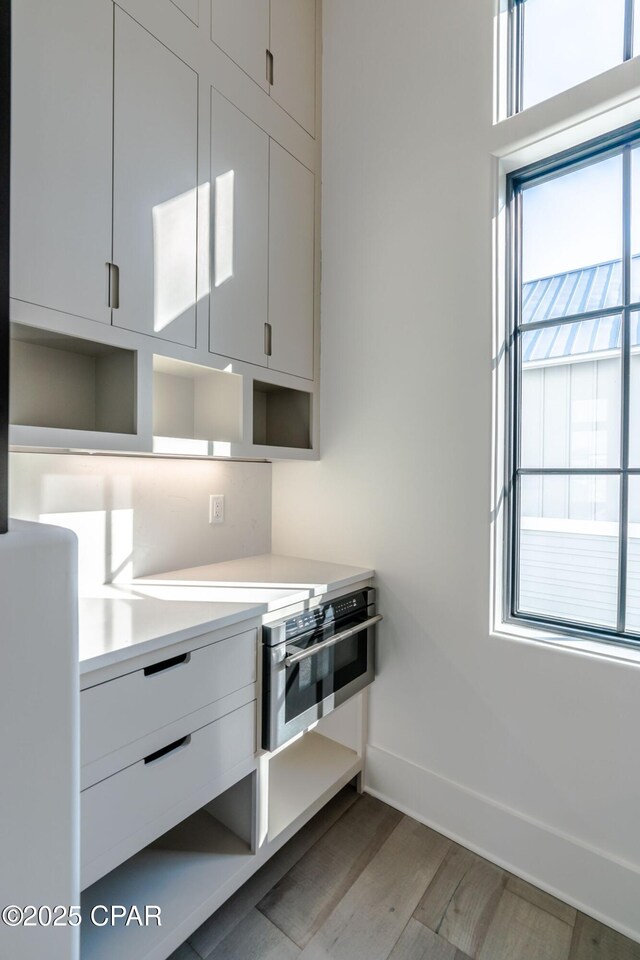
556	44
573	531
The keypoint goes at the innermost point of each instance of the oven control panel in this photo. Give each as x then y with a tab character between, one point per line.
326	613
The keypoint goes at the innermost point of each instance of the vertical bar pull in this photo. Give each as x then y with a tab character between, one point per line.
267	339
113	285
269	68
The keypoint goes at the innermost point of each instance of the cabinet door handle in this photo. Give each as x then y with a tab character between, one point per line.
269	68
113	286
166	664
267	339
164	751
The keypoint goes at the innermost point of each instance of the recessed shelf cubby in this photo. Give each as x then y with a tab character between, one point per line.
68	383
281	416
193	402
188	871
311	767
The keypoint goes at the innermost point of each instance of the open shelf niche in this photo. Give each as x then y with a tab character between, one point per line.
304	774
188	872
281	416
194	406
65	382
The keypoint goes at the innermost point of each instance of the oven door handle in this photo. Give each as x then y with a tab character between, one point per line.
293	658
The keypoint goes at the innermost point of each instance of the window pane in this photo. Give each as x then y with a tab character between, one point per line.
572	242
636	28
568	41
633	558
570	377
569	548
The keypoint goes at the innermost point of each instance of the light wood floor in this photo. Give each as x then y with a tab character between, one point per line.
363	882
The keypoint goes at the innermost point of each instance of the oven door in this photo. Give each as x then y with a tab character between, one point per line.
309	676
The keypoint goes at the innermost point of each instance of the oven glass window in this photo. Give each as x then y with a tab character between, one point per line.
317	677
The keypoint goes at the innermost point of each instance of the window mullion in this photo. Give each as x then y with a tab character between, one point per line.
626	375
515	309
628	30
569	472
571	318
516	47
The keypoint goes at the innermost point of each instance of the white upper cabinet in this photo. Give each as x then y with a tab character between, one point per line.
61	154
179	218
291	263
191	9
293	47
239	233
241	29
262	232
252	32
155	185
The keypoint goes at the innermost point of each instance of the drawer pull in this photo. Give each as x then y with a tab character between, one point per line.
182	742
166	664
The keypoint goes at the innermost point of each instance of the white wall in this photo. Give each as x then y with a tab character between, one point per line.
136	516
521	750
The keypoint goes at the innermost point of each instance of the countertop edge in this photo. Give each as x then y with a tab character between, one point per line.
297	592
122	654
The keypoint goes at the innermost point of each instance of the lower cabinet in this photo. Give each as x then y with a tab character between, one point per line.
122	713
175	883
175	818
127	811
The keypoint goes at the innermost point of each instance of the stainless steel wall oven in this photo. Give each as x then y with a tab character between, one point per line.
315	661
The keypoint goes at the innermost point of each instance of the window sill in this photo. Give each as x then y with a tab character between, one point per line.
593	648
591	109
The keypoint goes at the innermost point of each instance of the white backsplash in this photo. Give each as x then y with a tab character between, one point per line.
136	516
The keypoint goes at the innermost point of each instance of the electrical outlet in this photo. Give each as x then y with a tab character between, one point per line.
216	508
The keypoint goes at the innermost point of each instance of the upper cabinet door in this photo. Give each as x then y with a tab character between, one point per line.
155	185
191	9
239	233
61	154
293	46
291	260
241	29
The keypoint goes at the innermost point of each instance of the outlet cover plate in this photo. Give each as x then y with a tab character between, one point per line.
216	508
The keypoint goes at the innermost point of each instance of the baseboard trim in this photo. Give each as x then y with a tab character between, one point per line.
597	883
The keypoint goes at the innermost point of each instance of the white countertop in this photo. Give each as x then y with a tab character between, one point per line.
116	628
154	612
269	570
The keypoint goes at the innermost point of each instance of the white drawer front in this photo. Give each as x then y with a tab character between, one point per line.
122	814
118	712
